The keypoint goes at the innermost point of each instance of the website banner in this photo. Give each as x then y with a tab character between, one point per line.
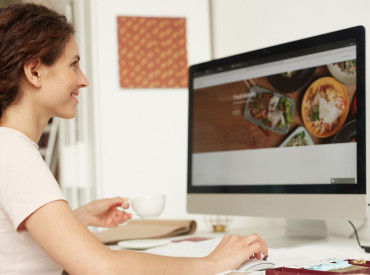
295	117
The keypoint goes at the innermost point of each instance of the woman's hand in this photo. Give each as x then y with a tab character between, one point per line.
104	212
234	250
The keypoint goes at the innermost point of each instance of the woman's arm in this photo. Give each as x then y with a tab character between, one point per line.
59	232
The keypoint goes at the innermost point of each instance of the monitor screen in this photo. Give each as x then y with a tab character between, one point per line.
283	125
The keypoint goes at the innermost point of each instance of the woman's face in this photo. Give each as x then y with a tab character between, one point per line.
61	83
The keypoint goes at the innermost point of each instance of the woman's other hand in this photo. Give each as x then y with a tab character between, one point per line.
104	212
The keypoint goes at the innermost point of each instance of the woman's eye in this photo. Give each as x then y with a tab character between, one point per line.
75	64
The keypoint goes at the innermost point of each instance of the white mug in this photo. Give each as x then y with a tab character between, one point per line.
150	206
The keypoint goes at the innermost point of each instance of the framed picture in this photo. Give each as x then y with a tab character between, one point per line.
152	52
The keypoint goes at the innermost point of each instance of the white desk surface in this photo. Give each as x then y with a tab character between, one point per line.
305	255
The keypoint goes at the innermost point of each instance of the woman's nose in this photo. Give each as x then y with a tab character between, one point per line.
82	80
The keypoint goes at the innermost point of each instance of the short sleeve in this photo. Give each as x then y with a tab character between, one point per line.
26	182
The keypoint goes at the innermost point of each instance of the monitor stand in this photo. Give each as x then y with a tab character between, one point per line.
300	232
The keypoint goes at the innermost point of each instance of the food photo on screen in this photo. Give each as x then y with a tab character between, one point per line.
254	114
266	113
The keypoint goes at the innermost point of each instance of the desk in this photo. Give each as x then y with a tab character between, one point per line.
304	255
334	247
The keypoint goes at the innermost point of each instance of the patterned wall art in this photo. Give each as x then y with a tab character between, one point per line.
152	52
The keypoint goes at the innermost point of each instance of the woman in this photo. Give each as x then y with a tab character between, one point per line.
40	78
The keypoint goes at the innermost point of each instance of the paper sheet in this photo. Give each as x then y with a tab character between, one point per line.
146	229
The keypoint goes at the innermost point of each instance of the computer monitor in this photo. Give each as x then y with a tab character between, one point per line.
280	132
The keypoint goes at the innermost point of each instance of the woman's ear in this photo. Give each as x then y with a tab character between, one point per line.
33	73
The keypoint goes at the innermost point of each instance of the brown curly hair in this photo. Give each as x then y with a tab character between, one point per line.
28	32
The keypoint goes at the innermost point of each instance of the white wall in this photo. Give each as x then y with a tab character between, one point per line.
142	133
245	25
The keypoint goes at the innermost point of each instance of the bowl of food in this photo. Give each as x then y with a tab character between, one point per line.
291	81
299	137
269	109
324	107
348	133
344	71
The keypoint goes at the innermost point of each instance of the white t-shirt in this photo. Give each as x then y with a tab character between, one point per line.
26	184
